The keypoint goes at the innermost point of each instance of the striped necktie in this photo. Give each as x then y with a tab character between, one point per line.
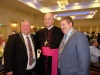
30	51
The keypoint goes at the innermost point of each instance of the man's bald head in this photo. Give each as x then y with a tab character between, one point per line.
49	14
49	19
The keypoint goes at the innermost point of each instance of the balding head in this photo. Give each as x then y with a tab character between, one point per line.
49	19
49	15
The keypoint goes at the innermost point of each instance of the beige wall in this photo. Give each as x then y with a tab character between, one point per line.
88	25
9	14
81	25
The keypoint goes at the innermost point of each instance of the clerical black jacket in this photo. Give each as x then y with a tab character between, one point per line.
56	37
49	38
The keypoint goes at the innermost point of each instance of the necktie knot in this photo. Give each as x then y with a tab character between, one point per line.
26	36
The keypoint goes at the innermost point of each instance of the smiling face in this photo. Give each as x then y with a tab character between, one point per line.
49	20
25	27
66	24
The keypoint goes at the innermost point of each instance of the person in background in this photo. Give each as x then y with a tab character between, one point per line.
94	51
49	39
34	30
92	36
1	46
74	52
94	54
13	32
19	52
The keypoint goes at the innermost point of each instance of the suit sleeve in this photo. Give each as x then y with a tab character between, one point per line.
8	53
37	40
83	54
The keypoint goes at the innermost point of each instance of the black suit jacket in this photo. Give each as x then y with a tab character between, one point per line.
15	54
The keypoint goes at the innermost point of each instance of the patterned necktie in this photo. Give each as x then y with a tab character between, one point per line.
30	51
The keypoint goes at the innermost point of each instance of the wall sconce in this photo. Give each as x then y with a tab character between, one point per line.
14	25
32	26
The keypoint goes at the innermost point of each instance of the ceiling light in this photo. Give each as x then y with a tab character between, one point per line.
76	3
73	17
34	1
62	3
96	1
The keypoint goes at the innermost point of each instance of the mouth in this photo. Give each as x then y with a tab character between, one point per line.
47	23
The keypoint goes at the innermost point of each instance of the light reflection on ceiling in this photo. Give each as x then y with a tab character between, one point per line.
36	4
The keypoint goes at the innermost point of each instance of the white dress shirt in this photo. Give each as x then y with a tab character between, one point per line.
33	65
94	53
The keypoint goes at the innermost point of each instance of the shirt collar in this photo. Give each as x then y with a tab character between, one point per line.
49	27
69	32
25	35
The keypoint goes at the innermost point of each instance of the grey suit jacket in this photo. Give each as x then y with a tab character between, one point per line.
75	57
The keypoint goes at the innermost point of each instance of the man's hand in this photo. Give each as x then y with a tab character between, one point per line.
10	73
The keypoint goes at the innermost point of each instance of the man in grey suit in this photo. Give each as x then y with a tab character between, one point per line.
74	55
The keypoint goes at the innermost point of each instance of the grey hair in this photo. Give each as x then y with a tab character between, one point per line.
92	41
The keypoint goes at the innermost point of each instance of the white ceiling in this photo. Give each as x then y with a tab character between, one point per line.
85	9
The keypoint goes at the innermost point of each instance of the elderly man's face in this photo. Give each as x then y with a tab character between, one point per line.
48	20
25	27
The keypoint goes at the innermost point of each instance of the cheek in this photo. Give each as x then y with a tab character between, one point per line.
65	28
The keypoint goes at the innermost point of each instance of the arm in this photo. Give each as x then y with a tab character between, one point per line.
83	52
8	54
9	73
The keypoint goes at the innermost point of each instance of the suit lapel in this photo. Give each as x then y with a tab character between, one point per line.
31	35
32	38
21	36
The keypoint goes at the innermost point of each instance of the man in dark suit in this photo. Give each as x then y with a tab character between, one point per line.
74	55
19	52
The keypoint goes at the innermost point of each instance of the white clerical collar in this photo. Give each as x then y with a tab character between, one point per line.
69	32
49	27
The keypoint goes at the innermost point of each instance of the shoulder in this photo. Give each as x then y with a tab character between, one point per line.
57	29
13	35
80	36
41	30
78	33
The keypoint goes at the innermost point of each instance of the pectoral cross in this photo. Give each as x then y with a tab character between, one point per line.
46	42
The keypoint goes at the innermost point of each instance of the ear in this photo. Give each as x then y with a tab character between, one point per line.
53	20
70	24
